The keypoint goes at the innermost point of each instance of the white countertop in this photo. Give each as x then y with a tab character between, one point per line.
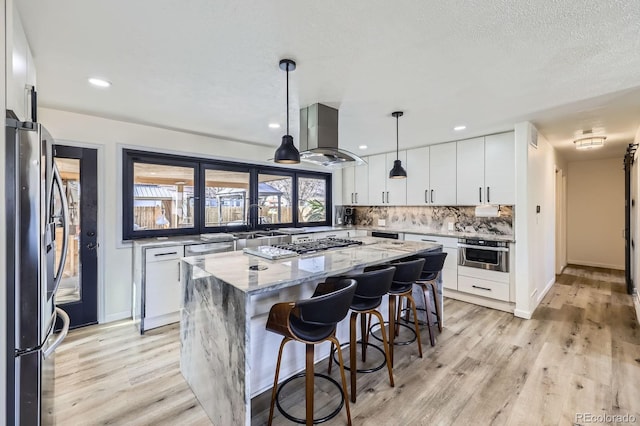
234	268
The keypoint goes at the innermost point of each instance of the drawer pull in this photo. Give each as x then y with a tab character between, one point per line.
429	241
481	288
166	254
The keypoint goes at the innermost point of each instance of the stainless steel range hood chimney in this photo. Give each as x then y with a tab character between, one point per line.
319	138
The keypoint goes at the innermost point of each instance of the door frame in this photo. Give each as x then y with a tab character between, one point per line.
100	251
561	219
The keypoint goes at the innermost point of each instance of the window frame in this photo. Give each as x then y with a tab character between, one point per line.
328	198
200	165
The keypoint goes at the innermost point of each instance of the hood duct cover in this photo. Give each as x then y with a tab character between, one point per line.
319	138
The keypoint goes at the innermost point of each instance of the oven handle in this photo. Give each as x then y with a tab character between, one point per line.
471	246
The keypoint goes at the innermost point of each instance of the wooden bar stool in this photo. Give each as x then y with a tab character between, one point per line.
372	286
405	276
312	321
428	281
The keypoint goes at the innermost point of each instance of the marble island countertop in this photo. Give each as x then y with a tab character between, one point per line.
252	274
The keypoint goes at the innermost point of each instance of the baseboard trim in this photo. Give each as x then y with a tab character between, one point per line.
546	290
117	316
521	313
595	264
479	300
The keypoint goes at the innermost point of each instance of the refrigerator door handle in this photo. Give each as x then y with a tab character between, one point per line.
63	333
57	181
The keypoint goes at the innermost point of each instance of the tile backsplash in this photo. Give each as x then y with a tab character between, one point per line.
434	218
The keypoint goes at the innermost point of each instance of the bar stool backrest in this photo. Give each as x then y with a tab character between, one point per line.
330	308
374	284
408	271
433	262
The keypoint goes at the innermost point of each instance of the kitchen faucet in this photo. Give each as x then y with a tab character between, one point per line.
259	211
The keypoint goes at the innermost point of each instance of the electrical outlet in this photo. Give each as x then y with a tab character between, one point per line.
450	226
382	222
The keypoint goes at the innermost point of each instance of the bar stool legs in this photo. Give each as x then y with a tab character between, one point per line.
395	313
364	343
309	380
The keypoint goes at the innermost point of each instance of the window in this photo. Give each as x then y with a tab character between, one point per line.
177	195
275	195
162	196
227	195
312	200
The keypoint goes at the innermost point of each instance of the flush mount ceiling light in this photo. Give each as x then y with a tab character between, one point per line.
397	172
287	152
363	147
459	128
590	142
274	125
98	82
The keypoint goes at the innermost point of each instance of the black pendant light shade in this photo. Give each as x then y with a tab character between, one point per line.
287	152
397	172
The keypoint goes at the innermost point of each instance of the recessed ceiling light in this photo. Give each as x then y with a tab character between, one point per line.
363	147
274	125
458	128
99	82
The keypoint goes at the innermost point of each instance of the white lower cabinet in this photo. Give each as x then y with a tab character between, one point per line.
449	246
491	284
161	284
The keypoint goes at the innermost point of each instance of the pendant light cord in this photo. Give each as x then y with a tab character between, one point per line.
287	99
397	140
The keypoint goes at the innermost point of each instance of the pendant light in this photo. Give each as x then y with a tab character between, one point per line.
398	172
287	152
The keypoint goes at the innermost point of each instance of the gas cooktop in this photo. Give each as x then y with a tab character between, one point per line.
318	245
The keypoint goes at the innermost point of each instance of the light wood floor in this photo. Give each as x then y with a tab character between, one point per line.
579	354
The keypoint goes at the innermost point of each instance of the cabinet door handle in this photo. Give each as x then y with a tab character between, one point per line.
352	198
481	288
387	197
480	193
429	241
426	197
488	198
166	254
356	198
382	197
179	270
432	195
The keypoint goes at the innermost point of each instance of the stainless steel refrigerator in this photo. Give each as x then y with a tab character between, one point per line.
36	214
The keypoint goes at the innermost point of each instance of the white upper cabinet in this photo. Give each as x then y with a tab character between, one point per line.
486	170
355	185
442	174
470	165
20	70
500	168
382	190
418	176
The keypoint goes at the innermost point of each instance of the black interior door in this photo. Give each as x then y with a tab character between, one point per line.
78	290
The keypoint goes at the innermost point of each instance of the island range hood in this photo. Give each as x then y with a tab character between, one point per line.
319	138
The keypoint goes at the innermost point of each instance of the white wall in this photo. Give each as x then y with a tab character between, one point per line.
3	268
534	232
110	136
595	211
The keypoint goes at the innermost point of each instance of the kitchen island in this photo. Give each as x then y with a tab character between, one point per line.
226	355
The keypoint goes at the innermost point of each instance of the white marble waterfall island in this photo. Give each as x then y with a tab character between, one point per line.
227	356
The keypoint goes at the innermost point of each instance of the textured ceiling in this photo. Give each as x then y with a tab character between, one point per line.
211	66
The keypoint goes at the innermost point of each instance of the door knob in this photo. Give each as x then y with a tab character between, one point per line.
93	246
91	234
